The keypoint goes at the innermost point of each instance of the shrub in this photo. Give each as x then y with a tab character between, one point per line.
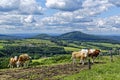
4	63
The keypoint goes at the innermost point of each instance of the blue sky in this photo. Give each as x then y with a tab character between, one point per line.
101	17
111	12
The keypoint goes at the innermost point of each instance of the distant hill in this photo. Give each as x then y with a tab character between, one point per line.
24	35
7	37
116	38
77	35
17	36
43	36
74	36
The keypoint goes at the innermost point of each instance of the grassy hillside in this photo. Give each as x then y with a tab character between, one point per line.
106	71
60	68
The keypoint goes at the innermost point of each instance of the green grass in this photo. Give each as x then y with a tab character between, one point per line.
71	49
107	71
57	59
104	44
1	47
102	71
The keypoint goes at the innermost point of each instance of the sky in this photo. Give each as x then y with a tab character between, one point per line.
100	17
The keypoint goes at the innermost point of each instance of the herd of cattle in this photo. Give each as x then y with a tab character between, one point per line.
24	59
84	53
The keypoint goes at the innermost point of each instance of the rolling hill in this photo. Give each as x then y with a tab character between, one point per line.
75	36
43	36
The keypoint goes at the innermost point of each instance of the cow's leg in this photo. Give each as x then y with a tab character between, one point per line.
82	60
18	64
26	63
93	58
11	65
74	60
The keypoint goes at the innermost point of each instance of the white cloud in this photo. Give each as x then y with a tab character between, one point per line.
9	5
66	5
115	2
20	6
13	20
105	25
96	3
90	8
29	7
29	19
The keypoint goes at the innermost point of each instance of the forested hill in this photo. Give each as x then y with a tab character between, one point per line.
74	36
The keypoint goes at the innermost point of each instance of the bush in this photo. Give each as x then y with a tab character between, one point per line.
4	63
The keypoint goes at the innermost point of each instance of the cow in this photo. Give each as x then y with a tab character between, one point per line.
93	53
23	60
81	55
12	62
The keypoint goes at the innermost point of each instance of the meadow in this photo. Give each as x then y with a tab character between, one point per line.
51	60
105	71
60	67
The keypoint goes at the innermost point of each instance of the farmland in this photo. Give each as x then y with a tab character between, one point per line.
55	68
48	47
51	60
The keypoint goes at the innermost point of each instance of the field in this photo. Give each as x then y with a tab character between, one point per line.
39	48
103	69
51	60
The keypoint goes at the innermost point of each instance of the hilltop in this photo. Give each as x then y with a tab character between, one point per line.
76	36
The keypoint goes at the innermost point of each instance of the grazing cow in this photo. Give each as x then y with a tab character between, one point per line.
93	53
12	62
84	53
23	60
81	55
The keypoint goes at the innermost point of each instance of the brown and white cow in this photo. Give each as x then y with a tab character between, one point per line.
23	60
93	53
81	55
12	62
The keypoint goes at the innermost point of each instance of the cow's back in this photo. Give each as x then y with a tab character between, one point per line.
84	52
93	53
24	57
76	54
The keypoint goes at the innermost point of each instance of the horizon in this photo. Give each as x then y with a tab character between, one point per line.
55	34
97	17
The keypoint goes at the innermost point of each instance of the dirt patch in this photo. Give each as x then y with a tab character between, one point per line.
42	73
